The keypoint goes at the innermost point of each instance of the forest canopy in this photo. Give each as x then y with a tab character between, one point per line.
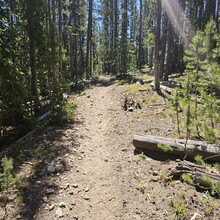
46	43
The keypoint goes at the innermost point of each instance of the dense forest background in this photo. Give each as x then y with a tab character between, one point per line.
46	43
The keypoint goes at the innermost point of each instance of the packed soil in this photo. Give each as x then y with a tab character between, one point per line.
102	176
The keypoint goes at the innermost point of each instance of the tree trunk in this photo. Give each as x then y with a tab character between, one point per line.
53	46
140	43
89	38
124	51
217	15
116	60
169	52
157	47
163	44
106	38
32	54
60	39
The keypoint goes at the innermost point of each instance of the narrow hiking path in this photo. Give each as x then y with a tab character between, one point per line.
101	195
101	176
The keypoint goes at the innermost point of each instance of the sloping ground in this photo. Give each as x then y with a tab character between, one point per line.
101	177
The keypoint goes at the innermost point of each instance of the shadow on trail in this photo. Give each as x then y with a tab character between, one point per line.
128	79
159	156
105	82
51	146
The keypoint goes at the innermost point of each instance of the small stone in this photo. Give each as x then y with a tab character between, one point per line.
86	197
45	199
130	109
38	182
75	186
50	191
51	169
66	186
59	213
51	207
155	173
62	205
87	189
106	159
12	197
88	96
58	167
18	216
154	180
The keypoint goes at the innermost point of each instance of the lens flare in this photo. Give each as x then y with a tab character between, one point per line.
178	19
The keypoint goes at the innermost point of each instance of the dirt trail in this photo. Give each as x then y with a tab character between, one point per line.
99	166
100	178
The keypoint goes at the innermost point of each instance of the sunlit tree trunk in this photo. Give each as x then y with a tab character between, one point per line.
60	39
124	45
157	47
89	43
140	43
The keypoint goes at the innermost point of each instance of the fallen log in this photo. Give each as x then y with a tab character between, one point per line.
147	81
44	119
177	146
201	176
166	89
19	142
163	88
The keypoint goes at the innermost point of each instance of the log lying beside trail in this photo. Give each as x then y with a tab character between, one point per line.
201	176
19	143
177	146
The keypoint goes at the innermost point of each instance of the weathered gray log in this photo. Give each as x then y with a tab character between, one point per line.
19	142
45	117
166	89
163	88
177	146
201	176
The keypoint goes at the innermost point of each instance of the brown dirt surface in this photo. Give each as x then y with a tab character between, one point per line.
103	177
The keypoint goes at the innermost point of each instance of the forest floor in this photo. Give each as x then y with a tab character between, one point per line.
88	170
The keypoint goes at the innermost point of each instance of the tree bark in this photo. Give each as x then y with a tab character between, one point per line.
169	52
163	44
89	38
116	59
32	54
60	39
140	43
197	173
157	47
124	51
